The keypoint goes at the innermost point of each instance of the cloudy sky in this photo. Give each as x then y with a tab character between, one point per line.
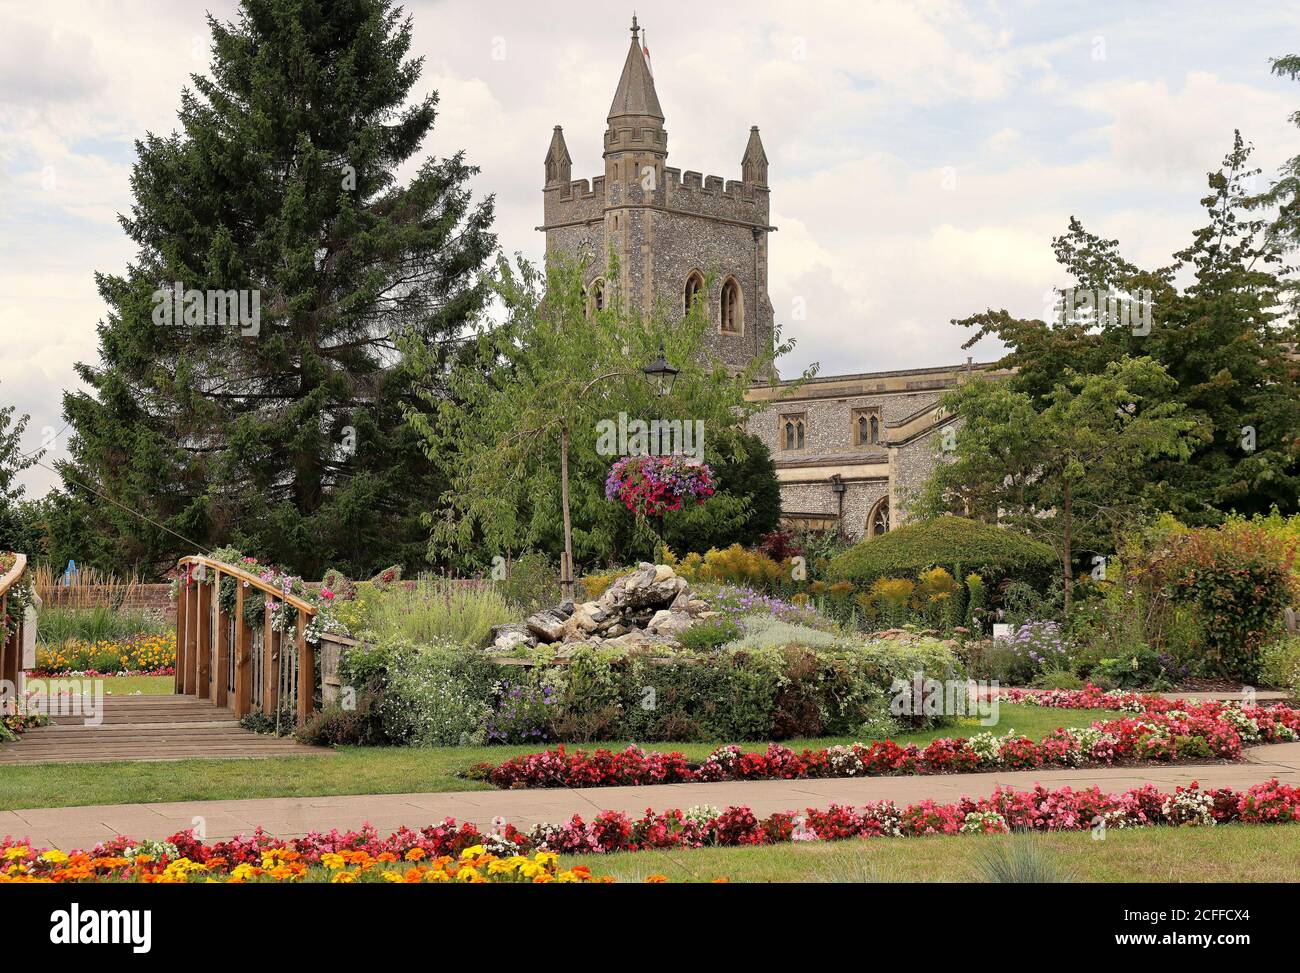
922	153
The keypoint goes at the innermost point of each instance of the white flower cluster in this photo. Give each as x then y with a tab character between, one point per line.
1089	739
984	822
988	746
153	849
887	816
1246	727
844	761
323	623
701	813
496	843
1191	808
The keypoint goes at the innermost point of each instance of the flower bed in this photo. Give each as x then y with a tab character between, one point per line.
1196	731
139	655
460	852
449	853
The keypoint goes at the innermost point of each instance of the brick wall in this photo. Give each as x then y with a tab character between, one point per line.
141	597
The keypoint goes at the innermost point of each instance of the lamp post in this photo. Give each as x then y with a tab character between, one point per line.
661	375
838	487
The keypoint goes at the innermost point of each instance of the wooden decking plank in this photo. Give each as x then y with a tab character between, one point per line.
149	729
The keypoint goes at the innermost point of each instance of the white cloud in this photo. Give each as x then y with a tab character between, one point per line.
862	108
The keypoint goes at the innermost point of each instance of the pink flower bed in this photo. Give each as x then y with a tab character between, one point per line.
1007	809
1161	731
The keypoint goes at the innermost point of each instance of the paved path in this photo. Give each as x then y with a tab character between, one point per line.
147	728
82	827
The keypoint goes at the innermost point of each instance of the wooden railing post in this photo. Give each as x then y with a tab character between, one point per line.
10	648
270	666
243	661
181	634
220	683
191	596
203	640
306	673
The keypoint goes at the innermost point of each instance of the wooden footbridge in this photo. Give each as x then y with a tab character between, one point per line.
231	660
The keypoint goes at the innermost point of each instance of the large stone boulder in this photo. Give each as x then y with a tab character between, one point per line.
649	607
508	638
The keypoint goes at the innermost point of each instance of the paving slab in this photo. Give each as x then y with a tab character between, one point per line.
82	827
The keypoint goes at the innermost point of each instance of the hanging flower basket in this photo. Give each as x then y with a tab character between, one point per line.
654	485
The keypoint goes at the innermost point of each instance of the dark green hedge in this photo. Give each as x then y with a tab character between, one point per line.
954	543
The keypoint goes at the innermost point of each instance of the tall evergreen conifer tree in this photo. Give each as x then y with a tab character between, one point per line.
283	436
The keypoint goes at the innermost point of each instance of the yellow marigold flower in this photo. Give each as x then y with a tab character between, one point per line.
473	851
15	853
331	860
54	856
344	878
546	858
467	874
390	875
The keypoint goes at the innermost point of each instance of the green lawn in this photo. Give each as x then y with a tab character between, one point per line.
1228	853
376	770
126	685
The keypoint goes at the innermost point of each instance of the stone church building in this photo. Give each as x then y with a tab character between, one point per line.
848	448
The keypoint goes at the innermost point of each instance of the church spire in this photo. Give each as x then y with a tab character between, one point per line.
635	96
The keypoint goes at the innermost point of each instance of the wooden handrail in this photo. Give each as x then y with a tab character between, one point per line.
207	648
11	643
14	573
253	580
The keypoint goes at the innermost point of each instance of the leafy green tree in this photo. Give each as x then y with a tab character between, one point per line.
1220	338
14	535
283	436
1067	469
746	506
558	366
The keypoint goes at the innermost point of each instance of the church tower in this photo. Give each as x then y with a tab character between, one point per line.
671	231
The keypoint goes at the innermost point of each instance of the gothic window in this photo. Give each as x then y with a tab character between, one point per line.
878	522
792	431
866	427
694	285
597	292
733	315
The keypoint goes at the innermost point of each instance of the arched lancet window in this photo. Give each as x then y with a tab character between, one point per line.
866	427
694	287
733	312
596	292
878	522
792	432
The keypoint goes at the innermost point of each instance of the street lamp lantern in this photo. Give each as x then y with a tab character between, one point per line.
660	373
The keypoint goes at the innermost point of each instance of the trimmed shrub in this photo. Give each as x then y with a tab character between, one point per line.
450	696
952	543
1239	579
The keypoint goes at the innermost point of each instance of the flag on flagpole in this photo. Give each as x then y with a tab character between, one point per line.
645	49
